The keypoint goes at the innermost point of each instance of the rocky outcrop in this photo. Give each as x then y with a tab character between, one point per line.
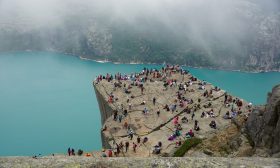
65	161
105	112
263	125
158	128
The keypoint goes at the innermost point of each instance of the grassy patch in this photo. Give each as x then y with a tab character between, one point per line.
188	144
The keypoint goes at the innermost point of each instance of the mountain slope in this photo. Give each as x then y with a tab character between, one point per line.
243	36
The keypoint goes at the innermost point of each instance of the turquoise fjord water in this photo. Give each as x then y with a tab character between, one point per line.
47	102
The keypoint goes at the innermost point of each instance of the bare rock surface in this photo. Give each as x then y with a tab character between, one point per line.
90	162
263	125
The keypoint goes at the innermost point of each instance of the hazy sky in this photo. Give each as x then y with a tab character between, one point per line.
224	20
167	11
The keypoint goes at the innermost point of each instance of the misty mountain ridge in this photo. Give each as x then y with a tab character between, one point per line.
239	35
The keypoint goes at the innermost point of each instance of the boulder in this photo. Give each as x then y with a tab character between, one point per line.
263	125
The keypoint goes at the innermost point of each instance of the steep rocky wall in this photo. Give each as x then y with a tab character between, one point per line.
105	112
263	125
65	161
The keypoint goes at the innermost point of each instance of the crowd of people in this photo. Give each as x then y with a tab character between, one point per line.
138	80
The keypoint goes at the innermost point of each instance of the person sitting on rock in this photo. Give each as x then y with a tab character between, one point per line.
206	94
179	127
177	133
227	115
211	113
239	103
175	120
182	104
173	107
217	89
233	113
202	87
145	111
196	127
157	149
213	124
190	133
184	119
171	137
145	140
207	105
125	112
126	91
104	155
143	102
178	143
202	114
166	107
239	111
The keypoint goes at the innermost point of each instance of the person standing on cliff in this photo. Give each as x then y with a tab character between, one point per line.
130	134
134	147
226	98
121	146
126	146
154	101
69	151
73	152
115	115
110	153
120	118
158	112
138	139
193	115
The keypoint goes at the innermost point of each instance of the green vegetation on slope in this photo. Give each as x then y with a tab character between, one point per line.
188	144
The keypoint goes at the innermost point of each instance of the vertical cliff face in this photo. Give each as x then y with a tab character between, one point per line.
105	112
263	125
